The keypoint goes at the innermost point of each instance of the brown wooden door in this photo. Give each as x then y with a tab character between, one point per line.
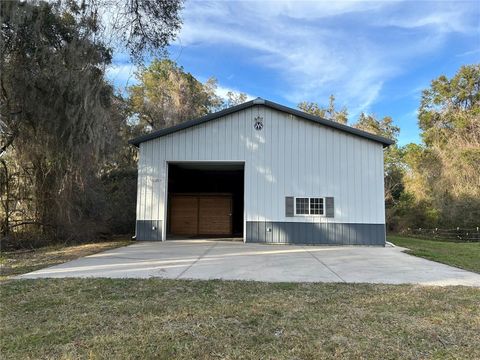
201	214
215	215
184	215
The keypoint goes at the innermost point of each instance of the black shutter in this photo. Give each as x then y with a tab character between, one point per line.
329	207
289	210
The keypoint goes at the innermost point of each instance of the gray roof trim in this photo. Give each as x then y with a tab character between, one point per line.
270	104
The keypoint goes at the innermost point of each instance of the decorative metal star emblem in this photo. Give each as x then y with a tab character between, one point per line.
258	123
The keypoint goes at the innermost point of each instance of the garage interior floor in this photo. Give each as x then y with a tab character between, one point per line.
233	260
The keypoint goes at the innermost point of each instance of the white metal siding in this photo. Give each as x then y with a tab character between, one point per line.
289	157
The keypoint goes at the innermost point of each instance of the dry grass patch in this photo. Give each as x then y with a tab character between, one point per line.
23	261
104	318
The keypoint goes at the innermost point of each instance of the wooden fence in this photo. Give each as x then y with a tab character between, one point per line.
458	234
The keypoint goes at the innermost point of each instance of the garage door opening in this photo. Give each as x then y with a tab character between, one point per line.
205	200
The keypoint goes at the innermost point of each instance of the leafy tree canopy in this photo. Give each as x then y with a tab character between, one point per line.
234	98
56	114
330	112
168	95
60	121
444	172
383	127
452	106
51	80
139	26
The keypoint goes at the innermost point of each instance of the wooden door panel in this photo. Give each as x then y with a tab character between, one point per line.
184	215
214	216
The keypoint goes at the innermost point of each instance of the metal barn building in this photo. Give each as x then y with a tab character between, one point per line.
263	172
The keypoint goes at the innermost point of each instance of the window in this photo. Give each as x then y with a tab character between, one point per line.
309	206
301	206
316	206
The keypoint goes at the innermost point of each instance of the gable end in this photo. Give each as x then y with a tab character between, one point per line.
269	104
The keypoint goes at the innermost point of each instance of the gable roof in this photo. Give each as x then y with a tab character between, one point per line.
269	104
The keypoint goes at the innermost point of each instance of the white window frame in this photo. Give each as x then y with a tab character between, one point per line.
309	199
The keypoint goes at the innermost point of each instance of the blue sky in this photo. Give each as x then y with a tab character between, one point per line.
373	56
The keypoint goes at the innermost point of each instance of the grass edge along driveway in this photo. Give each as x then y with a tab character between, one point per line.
464	255
23	261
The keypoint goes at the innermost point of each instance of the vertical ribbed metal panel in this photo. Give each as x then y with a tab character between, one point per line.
149	230
269	232
316	233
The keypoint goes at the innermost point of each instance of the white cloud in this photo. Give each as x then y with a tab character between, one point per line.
309	10
470	52
440	17
320	48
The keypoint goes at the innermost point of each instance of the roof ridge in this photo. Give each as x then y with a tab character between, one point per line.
270	104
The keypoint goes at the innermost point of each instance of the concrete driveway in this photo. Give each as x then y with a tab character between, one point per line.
202	259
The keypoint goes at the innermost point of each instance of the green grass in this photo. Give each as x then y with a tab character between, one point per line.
20	262
462	255
102	318
166	319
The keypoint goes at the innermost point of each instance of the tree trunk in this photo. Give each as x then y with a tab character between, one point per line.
6	203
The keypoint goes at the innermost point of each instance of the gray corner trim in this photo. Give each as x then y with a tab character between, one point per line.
270	104
289	207
150	230
329	207
315	233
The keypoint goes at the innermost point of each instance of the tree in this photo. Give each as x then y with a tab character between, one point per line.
444	172
452	107
55	116
167	95
139	26
330	112
234	98
383	127
62	129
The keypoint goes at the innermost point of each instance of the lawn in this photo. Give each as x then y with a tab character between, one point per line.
23	261
155	318
462	255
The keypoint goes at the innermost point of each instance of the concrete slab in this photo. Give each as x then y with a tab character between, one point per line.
210	259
